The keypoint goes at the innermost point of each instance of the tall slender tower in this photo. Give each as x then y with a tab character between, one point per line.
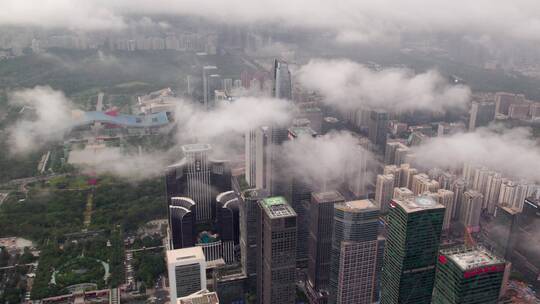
410	256
282	84
276	252
249	218
320	243
354	252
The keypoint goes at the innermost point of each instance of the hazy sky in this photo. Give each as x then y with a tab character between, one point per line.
353	20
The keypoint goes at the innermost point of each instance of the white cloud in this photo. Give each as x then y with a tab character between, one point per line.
354	20
512	151
349	85
323	159
52	118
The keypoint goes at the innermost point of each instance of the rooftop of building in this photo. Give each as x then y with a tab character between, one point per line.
328	196
469	258
277	207
358	205
200	297
331	119
196	148
299	131
255	194
190	253
419	203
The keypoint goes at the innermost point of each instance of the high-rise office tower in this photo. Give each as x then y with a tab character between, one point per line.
384	190
282	84
446	198
422	183
276	252
410	255
320	244
182	232
198	178
482	113
207	71
354	252
458	187
299	197
501	232
187	272
468	276
493	189
378	128
228	224
471	209
250	156
214	83
249	218
402	193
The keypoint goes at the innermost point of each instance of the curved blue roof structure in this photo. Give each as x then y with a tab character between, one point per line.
128	121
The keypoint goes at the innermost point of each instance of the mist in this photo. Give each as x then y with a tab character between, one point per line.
514	152
236	117
353	20
49	120
323	160
349	86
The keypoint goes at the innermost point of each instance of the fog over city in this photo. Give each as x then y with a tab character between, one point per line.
152	151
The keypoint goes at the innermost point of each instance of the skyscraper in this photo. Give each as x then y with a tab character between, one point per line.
250	155
410	255
227	224
402	193
299	197
276	252
471	209
468	276
182	232
282	84
446	198
198	177
378	128
320	244
249	219
187	272
482	113
207	71
384	190
354	252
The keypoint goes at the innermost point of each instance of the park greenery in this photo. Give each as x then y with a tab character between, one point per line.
77	261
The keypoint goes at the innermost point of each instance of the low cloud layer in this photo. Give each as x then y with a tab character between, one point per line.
353	20
349	85
324	160
512	151
110	160
238	116
46	117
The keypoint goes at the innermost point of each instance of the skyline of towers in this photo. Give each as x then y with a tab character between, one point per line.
354	252
412	244
276	252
